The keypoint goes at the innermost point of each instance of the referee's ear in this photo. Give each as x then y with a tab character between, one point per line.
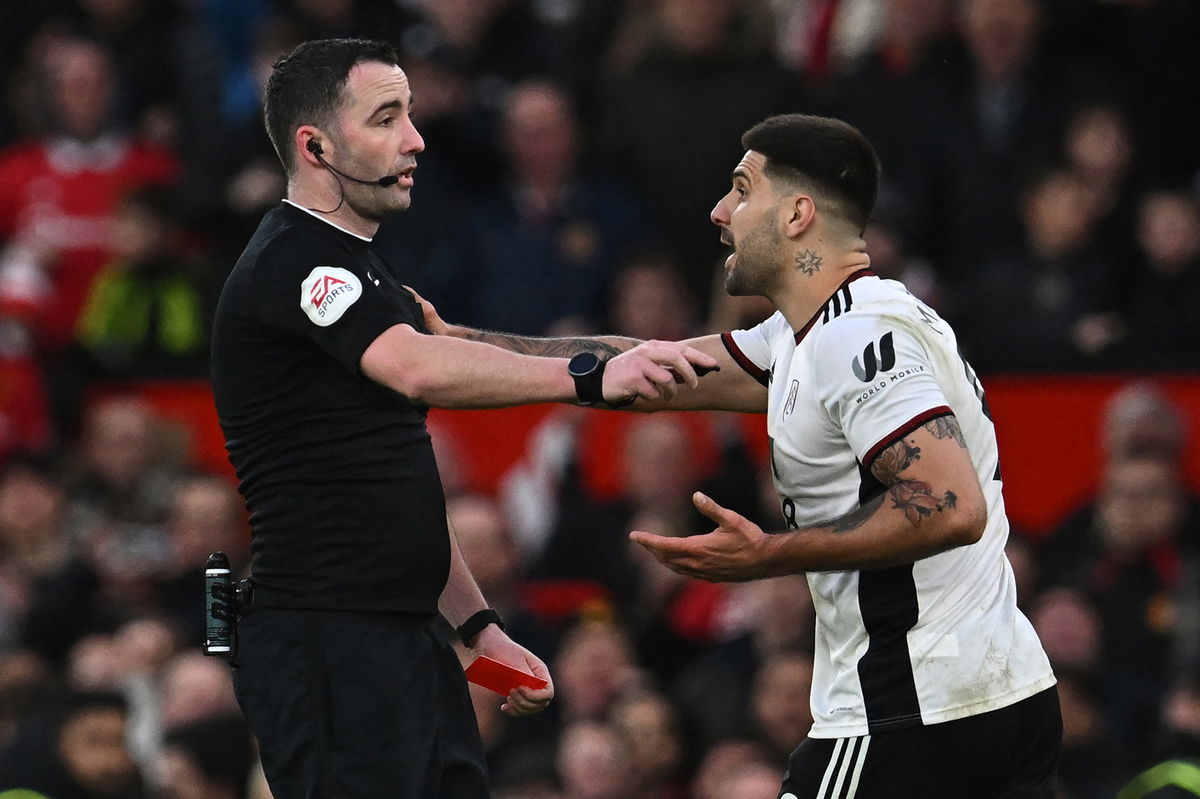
309	144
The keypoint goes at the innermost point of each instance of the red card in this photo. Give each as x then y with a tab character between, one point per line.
499	677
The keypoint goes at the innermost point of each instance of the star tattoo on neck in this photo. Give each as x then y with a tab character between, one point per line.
808	262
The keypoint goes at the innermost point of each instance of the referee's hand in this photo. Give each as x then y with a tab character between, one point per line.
653	370
522	701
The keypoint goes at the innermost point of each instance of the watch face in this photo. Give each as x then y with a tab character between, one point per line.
583	364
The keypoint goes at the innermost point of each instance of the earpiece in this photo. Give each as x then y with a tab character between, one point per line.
314	147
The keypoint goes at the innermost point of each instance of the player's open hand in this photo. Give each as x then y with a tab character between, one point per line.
521	701
652	370
736	551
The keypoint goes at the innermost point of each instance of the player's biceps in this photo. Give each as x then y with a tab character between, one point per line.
945	466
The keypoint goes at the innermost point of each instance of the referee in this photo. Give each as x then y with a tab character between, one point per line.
322	371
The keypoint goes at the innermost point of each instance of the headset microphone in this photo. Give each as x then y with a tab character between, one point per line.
314	147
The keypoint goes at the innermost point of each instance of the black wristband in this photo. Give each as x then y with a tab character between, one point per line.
475	624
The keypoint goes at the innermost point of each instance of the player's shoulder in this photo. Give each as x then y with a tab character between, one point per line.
873	303
880	321
874	294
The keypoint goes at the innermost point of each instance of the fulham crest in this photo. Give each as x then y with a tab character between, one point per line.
327	292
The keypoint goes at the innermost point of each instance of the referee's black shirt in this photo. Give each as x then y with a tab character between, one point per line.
346	506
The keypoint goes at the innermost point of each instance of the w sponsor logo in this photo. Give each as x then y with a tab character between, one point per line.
871	364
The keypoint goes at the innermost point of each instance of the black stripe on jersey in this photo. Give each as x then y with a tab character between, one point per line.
905	429
739	357
887	600
835	306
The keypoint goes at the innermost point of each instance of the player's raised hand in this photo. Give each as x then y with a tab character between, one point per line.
736	551
652	370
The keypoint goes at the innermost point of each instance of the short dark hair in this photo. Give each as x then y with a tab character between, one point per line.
831	155
306	86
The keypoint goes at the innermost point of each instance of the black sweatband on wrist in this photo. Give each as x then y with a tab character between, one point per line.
474	625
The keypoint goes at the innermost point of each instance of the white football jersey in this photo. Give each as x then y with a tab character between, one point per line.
923	643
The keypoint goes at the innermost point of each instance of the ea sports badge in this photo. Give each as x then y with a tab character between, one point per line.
327	292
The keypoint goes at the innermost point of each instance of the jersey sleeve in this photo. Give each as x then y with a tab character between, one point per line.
336	302
876	381
751	349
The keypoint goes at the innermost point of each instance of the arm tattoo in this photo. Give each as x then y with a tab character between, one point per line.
808	262
915	499
946	427
892	461
551	347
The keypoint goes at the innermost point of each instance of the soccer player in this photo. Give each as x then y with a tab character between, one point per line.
928	681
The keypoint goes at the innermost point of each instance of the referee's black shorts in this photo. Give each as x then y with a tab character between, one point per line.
1010	753
357	706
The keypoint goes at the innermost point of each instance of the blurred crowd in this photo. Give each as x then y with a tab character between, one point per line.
1041	190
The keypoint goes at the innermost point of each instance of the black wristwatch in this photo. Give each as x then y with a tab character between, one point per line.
588	372
474	625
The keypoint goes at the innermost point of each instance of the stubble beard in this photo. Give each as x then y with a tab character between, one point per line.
754	271
375	204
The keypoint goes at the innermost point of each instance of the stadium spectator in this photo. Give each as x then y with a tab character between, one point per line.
119	476
997	118
146	314
1063	285
210	758
1164	329
1090	762
77	752
595	665
593	762
724	758
1125	554
779	702
699	57
749	781
1099	147
649	723
58	192
649	299
1069	624
762	620
33	543
539	250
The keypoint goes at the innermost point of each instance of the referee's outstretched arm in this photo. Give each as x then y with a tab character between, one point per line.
448	372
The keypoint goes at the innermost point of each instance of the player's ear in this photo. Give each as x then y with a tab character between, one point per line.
799	210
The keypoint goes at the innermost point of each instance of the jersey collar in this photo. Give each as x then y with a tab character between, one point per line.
326	221
837	304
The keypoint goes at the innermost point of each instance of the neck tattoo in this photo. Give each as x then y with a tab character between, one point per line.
808	262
